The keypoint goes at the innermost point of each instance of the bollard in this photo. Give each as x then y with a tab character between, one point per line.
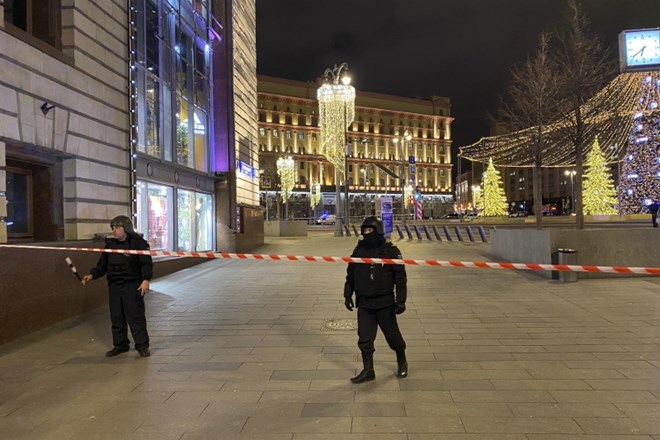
568	257
426	231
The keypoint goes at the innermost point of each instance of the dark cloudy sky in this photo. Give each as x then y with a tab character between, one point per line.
462	49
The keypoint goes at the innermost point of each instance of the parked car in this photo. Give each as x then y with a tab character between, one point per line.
453	215
328	219
518	214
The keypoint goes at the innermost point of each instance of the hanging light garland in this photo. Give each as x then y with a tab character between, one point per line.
336	113
608	115
286	171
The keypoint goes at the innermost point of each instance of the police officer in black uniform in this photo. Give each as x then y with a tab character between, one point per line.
128	281
375	297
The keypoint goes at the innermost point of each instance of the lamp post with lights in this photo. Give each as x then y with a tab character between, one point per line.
407	137
336	99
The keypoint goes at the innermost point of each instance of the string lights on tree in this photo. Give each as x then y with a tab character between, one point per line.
494	199
608	114
639	182
599	193
286	171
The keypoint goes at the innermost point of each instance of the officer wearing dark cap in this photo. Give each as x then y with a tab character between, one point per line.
128	280
380	295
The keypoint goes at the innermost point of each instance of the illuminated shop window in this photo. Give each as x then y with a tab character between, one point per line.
154	214
194	221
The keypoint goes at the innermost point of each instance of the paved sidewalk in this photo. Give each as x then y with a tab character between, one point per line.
258	350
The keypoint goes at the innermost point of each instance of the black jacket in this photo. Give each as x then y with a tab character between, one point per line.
374	284
122	268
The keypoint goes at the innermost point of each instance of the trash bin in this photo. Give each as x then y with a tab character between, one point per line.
568	257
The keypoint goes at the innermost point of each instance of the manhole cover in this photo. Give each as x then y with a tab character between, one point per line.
340	324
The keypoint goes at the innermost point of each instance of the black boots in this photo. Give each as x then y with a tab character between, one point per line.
402	370
364	376
402	364
115	351
367	372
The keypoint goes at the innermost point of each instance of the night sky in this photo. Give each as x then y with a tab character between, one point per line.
463	49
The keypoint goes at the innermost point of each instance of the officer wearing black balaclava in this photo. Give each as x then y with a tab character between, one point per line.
376	299
128	281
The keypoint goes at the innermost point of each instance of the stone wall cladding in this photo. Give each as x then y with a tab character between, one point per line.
88	127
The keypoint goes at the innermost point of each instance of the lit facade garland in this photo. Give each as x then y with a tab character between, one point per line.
286	170
599	193
336	113
639	182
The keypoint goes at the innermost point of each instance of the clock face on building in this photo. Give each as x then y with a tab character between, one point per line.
640	49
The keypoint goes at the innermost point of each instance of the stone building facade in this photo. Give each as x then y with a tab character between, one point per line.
142	108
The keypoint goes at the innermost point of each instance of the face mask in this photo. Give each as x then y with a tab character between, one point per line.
373	239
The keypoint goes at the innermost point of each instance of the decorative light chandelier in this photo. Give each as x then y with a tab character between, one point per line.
336	113
286	171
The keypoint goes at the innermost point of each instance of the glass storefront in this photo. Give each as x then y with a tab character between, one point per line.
154	214
194	218
171	67
172	72
194	221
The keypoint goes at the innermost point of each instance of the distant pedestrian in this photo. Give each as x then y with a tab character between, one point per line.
128	281
376	299
653	209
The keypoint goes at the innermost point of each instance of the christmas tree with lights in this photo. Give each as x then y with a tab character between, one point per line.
599	193
494	199
639	182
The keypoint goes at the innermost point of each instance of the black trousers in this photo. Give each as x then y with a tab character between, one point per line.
654	219
127	306
368	322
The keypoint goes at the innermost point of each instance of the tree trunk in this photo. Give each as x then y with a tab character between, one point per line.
579	167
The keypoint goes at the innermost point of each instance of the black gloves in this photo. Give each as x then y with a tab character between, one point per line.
348	302
400	308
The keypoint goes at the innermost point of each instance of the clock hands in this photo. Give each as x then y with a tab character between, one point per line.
639	52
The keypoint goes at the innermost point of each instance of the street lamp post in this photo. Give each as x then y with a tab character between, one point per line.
336	111
365	171
403	180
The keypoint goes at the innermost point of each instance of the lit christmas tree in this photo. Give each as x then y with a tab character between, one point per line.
494	199
598	186
639	182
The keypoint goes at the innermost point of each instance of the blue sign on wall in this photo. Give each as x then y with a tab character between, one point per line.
247	170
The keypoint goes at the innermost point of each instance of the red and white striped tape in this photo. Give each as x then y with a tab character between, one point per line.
442	263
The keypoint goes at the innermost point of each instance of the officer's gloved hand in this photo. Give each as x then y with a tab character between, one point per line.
400	308
348	302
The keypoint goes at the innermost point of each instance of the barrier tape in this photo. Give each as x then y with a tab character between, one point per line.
406	261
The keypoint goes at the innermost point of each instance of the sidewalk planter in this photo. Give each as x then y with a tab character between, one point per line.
602	247
285	228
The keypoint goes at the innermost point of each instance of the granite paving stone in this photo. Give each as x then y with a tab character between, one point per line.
242	350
